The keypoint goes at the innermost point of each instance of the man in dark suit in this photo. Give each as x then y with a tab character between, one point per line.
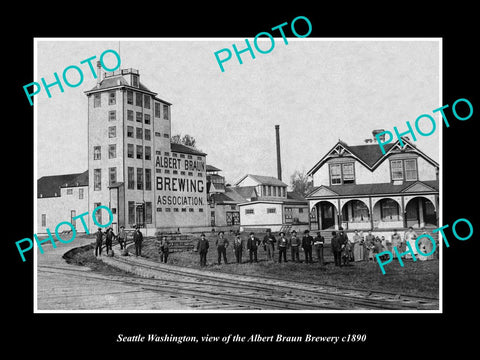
98	243
222	244
138	239
269	242
202	249
307	242
252	246
336	249
238	248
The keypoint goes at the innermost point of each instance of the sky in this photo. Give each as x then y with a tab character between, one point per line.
317	90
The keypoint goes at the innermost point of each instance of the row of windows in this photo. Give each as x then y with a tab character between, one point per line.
140	133
270	190
142	100
176	172
288	211
80	193
403	169
182	156
167	209
143	178
142	152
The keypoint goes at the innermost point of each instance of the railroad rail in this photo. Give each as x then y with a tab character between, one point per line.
260	292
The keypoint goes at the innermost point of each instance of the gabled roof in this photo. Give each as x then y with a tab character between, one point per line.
185	149
370	156
263	180
48	186
246	192
372	189
212	168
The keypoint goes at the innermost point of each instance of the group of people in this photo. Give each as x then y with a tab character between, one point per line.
268	243
109	237
345	250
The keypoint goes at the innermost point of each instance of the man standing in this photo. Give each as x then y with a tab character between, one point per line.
252	246
122	237
368	246
98	243
109	239
282	247
202	249
221	243
336	249
238	248
319	242
138	239
396	242
269	241
295	243
164	249
344	243
307	242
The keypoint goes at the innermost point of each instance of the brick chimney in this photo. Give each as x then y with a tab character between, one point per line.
378	131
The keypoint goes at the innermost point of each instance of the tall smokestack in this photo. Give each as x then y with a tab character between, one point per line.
279	161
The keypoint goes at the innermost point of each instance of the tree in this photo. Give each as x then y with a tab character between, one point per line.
300	183
185	140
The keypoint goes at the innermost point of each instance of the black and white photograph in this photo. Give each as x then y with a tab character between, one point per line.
255	181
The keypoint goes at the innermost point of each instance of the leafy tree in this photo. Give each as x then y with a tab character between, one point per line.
185	140
300	182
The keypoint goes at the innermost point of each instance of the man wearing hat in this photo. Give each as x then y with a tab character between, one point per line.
221	243
282	247
295	243
307	242
138	239
319	242
122	237
252	246
109	239
269	242
98	243
202	249
238	248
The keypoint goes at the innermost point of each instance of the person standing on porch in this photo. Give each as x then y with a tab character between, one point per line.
396	242
410	237
357	246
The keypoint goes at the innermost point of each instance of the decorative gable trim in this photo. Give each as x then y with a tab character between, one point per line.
418	187
322	191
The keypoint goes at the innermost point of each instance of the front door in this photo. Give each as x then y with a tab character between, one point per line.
139	216
327	215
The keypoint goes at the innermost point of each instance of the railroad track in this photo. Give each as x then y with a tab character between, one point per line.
260	292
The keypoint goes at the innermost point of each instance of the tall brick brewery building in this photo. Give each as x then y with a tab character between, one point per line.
132	165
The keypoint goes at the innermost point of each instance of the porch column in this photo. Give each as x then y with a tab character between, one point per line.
404	214
371	212
339	214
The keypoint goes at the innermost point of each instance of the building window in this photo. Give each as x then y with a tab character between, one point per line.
130	97
175	209
131	212
69	191
168	209
158	134
200	210
157	109
112	131
111	98
139	179
130	150
139	152
97	152
44	220
112	174
190	209
147	119
271	210
184	209
342	174
148	212
148	135
166	136
97	179
131	178
269	190
138	99
139	133
97	100
130	115
165	112
300	210
146	101
139	116
148	179
112	151
135	80
80	194
411	170
112	115
396	167
404	169
130	131
148	153
249	212
98	214
274	190
389	210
